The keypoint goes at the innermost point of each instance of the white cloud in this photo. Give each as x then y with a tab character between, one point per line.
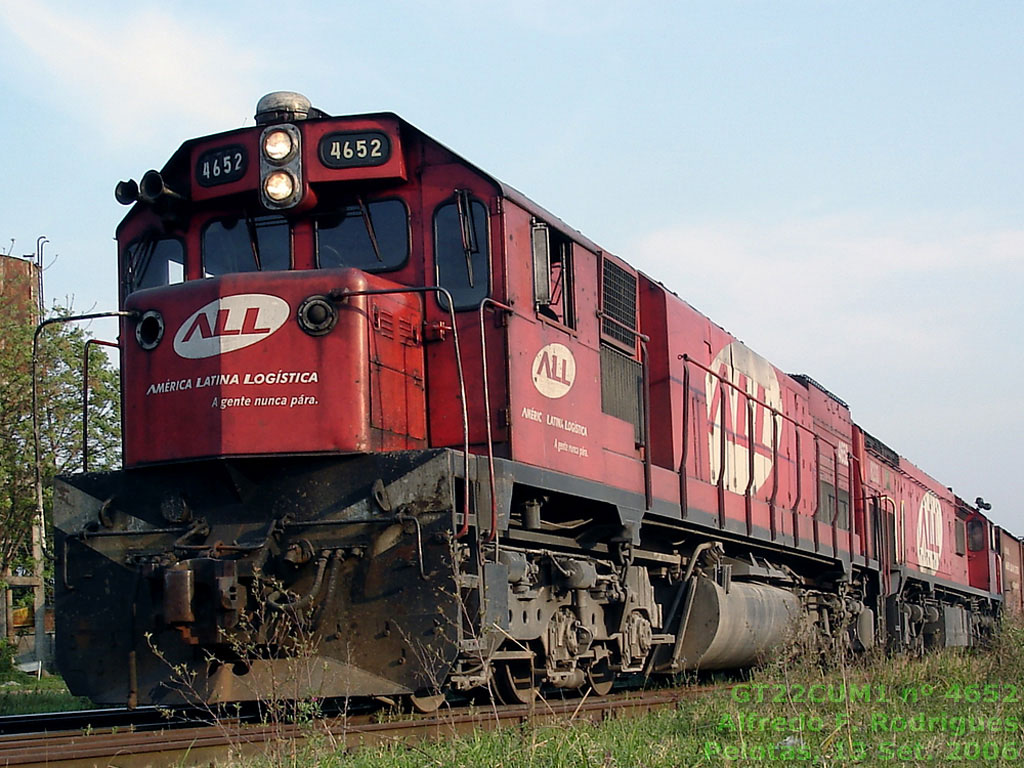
134	71
840	285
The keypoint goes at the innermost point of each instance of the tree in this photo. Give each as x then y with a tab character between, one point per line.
60	356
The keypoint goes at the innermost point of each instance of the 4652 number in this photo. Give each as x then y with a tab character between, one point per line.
351	150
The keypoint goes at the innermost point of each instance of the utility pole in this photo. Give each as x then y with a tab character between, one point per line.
21	285
39	526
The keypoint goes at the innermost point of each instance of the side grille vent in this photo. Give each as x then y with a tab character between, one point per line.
406	332
384	321
618	301
622	381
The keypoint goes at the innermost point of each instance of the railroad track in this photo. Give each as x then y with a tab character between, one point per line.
140	718
212	744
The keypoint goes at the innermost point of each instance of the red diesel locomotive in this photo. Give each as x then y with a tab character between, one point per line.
392	429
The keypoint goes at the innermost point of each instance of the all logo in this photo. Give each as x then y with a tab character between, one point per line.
929	533
739	420
554	370
230	323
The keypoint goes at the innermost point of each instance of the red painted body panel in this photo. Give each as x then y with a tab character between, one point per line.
1011	552
554	377
928	514
283	390
315	172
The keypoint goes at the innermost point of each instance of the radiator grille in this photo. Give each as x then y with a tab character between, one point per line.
622	382
618	301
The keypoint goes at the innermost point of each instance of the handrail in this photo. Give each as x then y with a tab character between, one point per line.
493	534
85	397
646	374
344	295
602	315
35	400
855	459
817	499
886	557
774	500
747	492
749	398
685	448
835	512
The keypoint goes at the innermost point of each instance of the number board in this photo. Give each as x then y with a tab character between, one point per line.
355	149
222	165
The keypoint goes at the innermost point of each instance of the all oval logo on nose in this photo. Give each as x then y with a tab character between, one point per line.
230	323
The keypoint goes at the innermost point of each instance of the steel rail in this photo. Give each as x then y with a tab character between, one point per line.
208	744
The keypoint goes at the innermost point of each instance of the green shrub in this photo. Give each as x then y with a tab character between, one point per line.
7	651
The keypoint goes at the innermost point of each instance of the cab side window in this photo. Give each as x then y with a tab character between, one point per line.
975	535
553	274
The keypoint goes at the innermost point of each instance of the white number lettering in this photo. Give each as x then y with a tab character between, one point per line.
375	145
361	148
206	169
238	161
336	150
347	150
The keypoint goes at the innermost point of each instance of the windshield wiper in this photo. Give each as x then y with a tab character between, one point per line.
141	255
466	224
369	227
254	240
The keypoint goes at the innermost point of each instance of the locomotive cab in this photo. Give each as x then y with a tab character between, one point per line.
272	274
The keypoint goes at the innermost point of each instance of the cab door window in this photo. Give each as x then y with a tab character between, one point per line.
461	253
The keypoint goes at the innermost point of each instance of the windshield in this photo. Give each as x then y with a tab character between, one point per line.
243	244
153	262
371	236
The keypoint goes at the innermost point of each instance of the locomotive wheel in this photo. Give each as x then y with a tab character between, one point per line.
514	683
601	677
426	704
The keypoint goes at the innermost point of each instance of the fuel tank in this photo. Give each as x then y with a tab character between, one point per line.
738	626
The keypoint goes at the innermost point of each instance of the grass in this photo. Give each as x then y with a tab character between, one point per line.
945	708
952	707
22	694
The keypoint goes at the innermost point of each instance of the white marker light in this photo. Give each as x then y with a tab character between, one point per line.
279	186
278	145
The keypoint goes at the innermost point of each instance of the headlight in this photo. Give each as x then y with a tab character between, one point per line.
279	186
281	180
278	145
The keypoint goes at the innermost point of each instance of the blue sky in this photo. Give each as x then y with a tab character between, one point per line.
837	183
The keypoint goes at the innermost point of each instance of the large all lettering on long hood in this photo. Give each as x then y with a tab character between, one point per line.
748	424
230	323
